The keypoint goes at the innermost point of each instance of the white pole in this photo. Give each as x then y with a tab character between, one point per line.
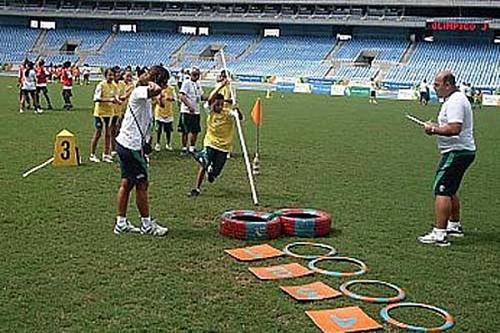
240	134
44	164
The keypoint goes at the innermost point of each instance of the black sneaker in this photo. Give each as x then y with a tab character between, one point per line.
194	193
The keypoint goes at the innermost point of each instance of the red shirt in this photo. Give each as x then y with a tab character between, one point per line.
41	76
66	78
20	74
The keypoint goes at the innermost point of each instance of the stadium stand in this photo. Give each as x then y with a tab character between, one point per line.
286	56
142	48
359	73
87	39
472	62
234	45
15	43
388	49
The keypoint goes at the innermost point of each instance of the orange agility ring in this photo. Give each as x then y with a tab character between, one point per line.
304	222
250	225
449	321
344	288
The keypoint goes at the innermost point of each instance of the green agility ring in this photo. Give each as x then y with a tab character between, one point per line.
363	268
449	321
344	288
331	250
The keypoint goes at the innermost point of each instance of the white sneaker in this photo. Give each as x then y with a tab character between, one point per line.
169	147
433	238
454	229
114	154
39	111
107	158
154	229
125	228
21	111
157	147
192	149
93	158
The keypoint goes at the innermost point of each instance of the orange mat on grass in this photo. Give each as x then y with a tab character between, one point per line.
311	292
257	252
343	320
280	271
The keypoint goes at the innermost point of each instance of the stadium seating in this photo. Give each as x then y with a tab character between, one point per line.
234	44
388	49
286	56
356	73
89	39
142	48
472	62
15	43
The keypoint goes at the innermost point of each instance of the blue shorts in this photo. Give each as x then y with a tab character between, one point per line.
100	121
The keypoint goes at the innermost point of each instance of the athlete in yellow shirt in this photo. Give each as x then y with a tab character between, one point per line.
105	99
218	141
164	115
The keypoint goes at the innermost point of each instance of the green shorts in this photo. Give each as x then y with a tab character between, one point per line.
451	170
133	165
189	123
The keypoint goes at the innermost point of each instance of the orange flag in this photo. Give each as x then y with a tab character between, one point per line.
257	113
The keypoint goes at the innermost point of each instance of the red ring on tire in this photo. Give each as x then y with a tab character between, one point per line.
250	225
304	222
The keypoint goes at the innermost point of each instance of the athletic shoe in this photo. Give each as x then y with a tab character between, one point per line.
184	151
157	147
433	238
114	154
154	229
107	158
194	193
192	150
455	230
169	147
93	158
125	228
39	111
21	111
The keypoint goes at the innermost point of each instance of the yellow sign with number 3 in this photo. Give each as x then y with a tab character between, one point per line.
65	150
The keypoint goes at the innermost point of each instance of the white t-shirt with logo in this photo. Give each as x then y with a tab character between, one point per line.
423	87
456	109
130	137
193	92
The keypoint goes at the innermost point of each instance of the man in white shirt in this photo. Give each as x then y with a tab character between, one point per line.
190	95
455	139
130	145
424	92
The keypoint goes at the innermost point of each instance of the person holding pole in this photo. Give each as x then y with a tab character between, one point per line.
218	140
455	138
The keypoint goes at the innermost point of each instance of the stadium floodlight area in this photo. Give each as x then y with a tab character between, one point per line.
472	62
15	43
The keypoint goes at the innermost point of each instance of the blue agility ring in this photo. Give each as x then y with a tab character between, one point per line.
362	266
449	321
344	288
331	250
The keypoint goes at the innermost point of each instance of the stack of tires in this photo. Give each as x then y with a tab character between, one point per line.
254	225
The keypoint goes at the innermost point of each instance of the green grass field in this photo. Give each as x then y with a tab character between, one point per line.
62	268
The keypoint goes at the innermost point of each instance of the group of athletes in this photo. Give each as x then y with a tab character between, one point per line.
128	109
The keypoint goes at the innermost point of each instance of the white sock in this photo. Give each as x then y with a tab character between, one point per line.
454	224
146	222
441	233
121	220
184	148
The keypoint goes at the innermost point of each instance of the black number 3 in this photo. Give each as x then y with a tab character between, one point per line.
66	153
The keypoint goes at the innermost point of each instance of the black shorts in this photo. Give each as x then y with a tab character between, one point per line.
132	164
423	96
216	160
166	126
27	92
451	170
373	93
189	123
41	89
100	121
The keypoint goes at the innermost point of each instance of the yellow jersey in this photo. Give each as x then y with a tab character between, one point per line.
105	90
220	130
123	88
167	111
